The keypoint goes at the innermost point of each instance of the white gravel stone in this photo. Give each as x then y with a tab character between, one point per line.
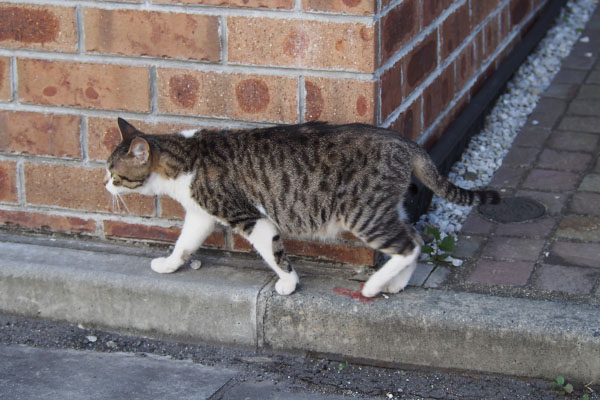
487	149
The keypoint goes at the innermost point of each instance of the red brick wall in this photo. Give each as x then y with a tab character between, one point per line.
67	70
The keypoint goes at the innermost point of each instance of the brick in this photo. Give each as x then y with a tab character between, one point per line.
438	95
480	11
579	254
398	27
238	96
467	247
520	157
465	66
507	248
454	30
266	41
408	123
476	224
564	91
8	182
571	280
519	10
38	27
557	181
104	135
594	76
358	7
100	86
590	183
433	9
42	134
421	274
564	160
339	100
580	228
548	112
532	136
5	88
150	33
283	4
581	124
76	188
37	221
171	208
584	107
541	227
421	62
507	177
554	202
491	36
511	273
573	141
585	203
570	76
392	90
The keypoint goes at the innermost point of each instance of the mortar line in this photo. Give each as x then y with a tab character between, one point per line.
301	99
21	195
153	78
83	139
224	35
14	81
80	29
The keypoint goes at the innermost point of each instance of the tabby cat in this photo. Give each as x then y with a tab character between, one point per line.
309	180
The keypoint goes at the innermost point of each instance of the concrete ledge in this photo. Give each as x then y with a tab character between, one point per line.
113	287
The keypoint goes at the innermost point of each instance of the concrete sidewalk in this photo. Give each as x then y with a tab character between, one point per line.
525	303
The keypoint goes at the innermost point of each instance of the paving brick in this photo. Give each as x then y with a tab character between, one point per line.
39	221
554	202
585	203
573	141
408	123
38	27
590	183
548	111
476	224
238	96
570	253
104	135
511	273
421	274
100	86
150	33
282	4
589	92
5	88
508	248
563	91
532	136
8	182
557	181
364	7
572	280
43	134
520	157
339	100
420	62
564	160
581	124
466	247
398	27
349	46
594	77
454	30
537	228
571	76
437	278
77	188
584	107
507	177
581	228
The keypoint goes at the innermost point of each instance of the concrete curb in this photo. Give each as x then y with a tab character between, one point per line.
112	287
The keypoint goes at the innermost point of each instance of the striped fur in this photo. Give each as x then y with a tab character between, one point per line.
310	180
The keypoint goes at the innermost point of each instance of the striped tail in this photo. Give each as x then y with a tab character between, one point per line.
427	172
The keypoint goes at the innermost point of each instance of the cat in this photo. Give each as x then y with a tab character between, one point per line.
307	180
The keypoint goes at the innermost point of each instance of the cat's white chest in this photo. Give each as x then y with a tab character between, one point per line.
178	189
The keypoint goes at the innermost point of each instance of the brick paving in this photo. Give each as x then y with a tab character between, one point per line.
554	160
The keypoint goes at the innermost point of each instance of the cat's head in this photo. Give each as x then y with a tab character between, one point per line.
130	164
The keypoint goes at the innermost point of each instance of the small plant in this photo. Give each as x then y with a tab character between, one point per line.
562	387
440	248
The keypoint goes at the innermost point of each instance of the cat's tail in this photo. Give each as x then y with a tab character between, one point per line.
427	172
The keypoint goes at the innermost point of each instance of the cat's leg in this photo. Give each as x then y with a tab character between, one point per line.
399	282
196	228
265	238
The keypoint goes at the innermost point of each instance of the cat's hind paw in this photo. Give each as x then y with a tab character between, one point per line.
287	285
165	265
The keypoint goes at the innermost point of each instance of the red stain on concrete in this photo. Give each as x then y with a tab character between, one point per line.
356	295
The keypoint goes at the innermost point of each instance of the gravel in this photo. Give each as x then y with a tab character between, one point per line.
487	149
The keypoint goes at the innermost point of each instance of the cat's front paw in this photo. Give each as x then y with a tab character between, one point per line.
370	290
286	285
165	265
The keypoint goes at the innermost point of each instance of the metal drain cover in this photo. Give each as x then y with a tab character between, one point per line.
513	209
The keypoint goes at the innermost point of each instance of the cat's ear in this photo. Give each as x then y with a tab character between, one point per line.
140	150
128	131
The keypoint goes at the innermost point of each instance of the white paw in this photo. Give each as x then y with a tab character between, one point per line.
286	286
370	290
396	285
165	265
